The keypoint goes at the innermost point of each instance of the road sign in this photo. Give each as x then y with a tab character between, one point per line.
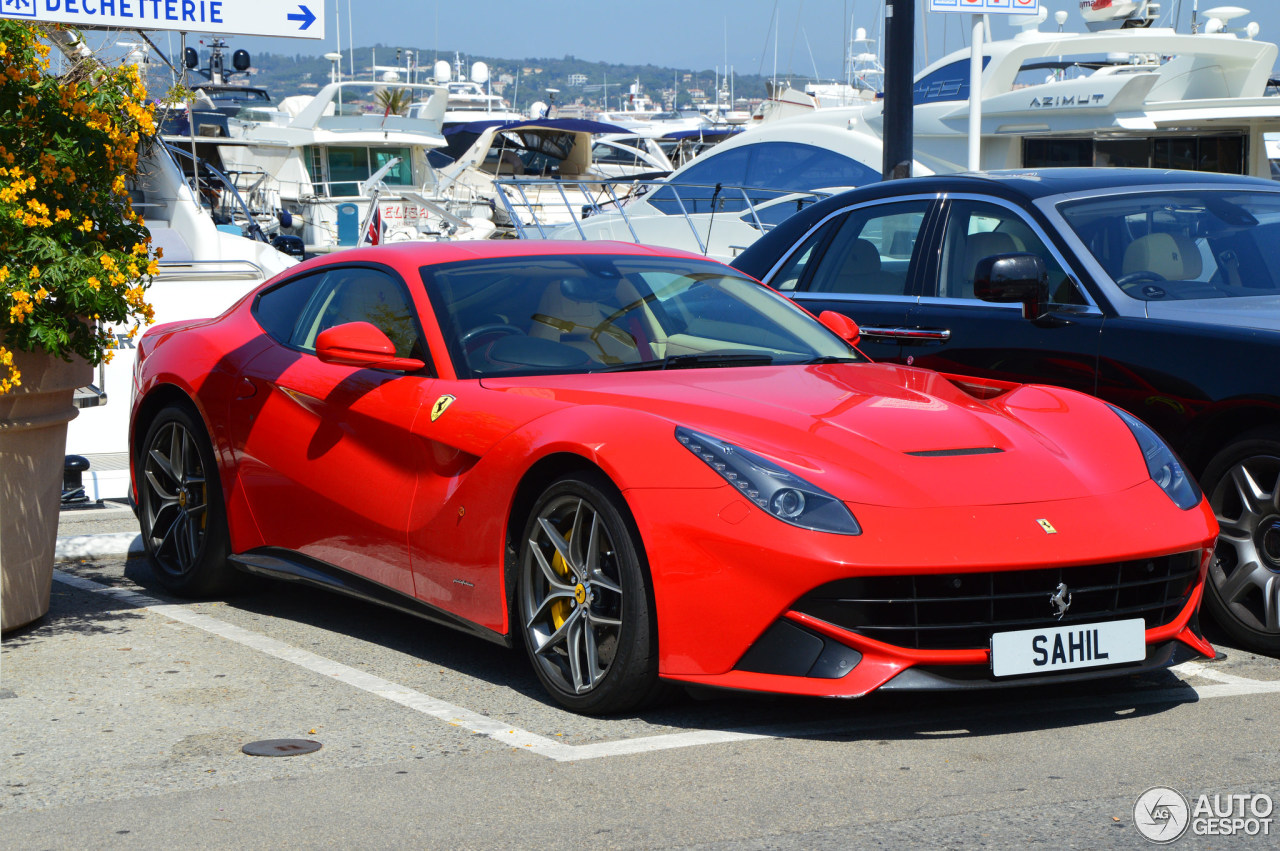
288	18
986	7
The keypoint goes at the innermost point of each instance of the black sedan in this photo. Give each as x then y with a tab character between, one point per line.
1157	291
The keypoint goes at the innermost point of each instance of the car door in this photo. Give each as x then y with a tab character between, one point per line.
326	463
863	262
954	331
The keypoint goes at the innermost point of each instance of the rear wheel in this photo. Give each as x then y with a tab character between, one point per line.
584	599
1243	592
180	510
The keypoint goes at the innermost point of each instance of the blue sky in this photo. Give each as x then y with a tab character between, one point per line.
699	34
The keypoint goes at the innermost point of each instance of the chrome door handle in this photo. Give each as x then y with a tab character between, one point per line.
911	334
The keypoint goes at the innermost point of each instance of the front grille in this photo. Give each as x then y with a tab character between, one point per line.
954	611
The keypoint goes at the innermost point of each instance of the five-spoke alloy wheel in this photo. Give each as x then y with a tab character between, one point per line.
1243	591
180	507
584	598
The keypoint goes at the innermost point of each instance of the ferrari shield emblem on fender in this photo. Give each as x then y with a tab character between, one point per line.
1044	524
442	404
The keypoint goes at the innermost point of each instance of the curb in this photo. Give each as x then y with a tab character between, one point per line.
73	547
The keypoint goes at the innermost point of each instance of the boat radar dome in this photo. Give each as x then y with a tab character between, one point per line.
443	72
479	72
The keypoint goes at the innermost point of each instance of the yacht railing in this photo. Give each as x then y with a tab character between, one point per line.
562	205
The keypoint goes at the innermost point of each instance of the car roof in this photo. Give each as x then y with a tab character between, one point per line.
411	254
1039	183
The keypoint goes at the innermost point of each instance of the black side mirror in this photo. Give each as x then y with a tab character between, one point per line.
1021	278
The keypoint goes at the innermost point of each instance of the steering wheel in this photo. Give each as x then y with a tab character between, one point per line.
1142	276
501	329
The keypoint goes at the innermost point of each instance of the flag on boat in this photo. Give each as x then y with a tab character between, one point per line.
376	228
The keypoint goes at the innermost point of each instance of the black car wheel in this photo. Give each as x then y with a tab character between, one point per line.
184	526
584	598
1243	592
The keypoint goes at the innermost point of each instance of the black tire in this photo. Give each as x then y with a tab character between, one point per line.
180	507
586	609
1243	590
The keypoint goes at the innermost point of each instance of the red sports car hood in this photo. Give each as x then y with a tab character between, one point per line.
882	434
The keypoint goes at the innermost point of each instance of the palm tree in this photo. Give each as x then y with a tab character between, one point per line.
393	101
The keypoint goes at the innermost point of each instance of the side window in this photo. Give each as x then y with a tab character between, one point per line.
789	275
975	230
358	294
871	252
279	309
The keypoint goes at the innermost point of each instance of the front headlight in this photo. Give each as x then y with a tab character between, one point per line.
1163	465
780	492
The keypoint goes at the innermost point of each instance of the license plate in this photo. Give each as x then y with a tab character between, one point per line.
1060	648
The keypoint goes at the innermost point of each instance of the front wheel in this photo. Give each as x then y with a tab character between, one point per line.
1243	591
180	510
584	599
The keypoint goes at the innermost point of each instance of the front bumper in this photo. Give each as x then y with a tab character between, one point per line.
728	577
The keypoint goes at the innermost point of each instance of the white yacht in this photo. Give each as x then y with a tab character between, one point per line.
532	170
468	99
1126	93
205	269
342	172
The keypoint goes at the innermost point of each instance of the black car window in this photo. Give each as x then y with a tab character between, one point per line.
361	294
1184	245
978	229
279	308
871	252
788	276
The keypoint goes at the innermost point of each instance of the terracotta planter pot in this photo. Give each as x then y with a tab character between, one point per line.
33	439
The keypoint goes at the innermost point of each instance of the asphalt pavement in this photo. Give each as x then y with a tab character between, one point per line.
124	713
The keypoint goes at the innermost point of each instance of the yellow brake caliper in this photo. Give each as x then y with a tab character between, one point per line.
560	609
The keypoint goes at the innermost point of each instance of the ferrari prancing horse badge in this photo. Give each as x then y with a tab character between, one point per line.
442	404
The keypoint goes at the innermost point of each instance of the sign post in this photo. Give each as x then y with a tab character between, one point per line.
978	8
288	18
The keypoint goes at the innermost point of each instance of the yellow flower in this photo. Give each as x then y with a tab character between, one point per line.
34	273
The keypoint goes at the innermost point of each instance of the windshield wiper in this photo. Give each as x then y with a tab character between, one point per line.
693	361
832	359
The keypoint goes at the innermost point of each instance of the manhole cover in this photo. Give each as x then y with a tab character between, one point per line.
281	747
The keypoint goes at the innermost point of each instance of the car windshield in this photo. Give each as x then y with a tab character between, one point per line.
597	313
1184	244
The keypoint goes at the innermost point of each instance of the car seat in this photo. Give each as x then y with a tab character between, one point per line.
1172	256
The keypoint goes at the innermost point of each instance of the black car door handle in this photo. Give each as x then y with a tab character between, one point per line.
909	334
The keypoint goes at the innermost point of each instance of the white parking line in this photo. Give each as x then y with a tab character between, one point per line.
1231	686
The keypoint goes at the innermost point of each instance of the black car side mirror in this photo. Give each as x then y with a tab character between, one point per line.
1005	278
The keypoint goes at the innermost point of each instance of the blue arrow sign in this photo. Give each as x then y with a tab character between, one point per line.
289	18
306	17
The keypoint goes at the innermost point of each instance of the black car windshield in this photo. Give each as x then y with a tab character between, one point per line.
539	315
1184	244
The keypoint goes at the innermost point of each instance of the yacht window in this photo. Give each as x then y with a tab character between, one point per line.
1222	154
769	167
338	170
